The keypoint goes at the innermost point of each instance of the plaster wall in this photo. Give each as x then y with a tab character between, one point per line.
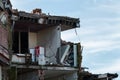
32	40
49	38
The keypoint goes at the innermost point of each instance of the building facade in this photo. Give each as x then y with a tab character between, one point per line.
31	47
5	13
38	49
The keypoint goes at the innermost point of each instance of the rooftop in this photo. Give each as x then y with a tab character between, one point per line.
37	20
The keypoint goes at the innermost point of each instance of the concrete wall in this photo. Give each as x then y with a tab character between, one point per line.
71	76
49	38
28	76
35	76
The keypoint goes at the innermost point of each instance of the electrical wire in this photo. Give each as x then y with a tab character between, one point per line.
78	39
77	34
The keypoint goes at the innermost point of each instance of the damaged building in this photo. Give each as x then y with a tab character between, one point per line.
38	49
31	47
5	13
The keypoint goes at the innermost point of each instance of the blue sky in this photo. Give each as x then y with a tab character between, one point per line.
99	33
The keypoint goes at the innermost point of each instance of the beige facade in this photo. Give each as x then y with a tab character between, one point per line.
32	40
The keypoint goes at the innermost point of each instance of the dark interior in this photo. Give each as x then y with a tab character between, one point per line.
20	42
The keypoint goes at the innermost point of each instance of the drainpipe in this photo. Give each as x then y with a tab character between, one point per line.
13	25
13	18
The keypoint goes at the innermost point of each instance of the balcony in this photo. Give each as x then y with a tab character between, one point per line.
67	58
67	55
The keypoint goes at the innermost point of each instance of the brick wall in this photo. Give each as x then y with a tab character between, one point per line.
3	37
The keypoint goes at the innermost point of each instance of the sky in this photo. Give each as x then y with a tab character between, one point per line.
99	31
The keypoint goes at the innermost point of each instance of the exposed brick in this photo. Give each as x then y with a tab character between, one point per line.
3	36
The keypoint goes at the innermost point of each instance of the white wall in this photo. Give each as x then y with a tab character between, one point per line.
49	38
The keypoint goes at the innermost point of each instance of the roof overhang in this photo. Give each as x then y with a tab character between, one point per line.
35	22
